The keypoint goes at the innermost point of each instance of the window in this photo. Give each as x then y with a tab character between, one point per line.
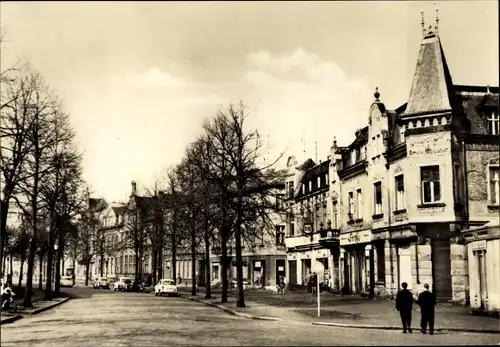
280	234
431	189
303	188
402	133
290	189
351	205
310	185
378	197
359	204
380	263
353	157
493	123
494	190
335	215
400	192
279	201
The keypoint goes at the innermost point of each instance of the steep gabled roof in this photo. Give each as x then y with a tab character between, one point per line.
309	163
432	88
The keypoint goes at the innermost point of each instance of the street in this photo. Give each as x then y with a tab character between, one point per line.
102	317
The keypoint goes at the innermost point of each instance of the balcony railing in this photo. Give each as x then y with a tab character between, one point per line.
329	237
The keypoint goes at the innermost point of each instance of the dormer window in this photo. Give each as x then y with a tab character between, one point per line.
402	133
310	185
493	123
319	181
353	157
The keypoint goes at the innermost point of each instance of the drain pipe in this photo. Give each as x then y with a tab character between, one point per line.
391	257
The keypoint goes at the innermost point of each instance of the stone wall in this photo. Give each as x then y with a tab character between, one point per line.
459	273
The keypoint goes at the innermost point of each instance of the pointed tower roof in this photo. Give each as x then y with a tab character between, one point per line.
432	88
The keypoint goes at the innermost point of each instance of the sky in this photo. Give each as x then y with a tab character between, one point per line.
139	78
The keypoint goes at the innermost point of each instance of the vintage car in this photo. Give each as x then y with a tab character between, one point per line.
66	281
101	282
166	286
123	284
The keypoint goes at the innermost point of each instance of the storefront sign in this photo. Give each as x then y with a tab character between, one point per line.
478	245
355	237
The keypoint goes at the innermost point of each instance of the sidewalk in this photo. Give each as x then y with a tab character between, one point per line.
39	305
344	311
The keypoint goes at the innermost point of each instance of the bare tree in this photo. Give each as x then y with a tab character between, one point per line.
247	186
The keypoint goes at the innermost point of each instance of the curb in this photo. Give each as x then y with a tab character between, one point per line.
232	312
338	325
387	327
11	319
48	307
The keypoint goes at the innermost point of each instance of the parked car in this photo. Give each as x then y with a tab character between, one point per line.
123	283
166	286
101	282
66	281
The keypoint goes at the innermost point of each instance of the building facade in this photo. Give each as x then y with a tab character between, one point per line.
312	240
400	198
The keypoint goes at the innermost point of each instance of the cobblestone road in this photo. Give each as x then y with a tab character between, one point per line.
132	319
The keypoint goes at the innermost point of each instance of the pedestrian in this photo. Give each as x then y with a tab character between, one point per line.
427	303
404	303
314	283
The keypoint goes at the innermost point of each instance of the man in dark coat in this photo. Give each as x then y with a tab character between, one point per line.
427	302
404	303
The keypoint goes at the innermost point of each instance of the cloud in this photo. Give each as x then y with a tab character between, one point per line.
156	77
305	96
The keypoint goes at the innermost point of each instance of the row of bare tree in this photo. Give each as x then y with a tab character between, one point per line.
218	197
43	195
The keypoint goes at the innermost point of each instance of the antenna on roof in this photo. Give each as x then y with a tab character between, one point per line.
304	144
423	21
437	16
268	148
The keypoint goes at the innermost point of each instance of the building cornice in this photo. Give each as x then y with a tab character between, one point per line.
353	170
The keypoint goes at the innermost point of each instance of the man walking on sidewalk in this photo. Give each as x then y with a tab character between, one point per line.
427	302
404	303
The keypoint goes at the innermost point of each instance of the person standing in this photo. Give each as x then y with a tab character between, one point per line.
404	304
427	303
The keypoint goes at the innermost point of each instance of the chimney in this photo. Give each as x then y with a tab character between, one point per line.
134	189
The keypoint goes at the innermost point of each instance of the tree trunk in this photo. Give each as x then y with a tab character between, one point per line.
11	266
155	263
240	302
193	257
40	272
224	266
87	273
50	261
20	283
101	269
160	263
174	255
57	280
208	281
136	265
4	210
74	255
